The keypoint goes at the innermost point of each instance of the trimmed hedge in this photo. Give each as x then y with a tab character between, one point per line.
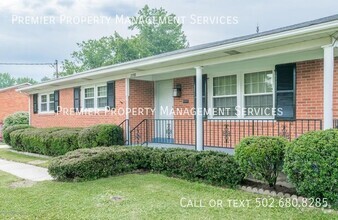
101	135
6	132
311	164
17	118
262	157
58	141
87	164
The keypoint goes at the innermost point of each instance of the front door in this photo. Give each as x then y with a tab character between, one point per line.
164	123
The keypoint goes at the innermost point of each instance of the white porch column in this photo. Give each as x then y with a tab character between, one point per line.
328	86
127	86
199	107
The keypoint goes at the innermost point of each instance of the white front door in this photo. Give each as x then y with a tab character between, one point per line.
164	124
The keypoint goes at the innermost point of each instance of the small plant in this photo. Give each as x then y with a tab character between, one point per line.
262	157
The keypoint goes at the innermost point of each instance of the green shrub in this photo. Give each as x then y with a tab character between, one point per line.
311	164
84	164
6	132
101	135
261	157
46	141
17	118
63	141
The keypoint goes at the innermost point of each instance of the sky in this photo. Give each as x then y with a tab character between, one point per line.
42	31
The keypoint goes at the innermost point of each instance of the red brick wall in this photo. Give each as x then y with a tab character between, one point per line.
11	102
67	101
309	89
335	90
187	84
141	95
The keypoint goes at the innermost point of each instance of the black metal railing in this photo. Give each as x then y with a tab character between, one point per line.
164	131
229	132
335	123
217	132
125	126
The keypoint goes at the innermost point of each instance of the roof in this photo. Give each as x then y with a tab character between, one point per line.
187	51
19	86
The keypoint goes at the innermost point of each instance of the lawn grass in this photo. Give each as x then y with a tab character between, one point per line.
13	156
147	196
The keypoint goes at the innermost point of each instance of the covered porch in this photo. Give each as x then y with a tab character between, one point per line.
248	76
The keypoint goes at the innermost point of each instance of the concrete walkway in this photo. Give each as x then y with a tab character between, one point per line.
25	171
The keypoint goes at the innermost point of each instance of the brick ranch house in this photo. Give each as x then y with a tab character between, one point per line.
292	68
12	101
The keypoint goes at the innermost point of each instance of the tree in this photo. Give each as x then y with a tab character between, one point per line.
45	78
158	32
22	80
6	80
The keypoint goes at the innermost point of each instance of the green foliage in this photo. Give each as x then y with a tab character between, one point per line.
311	164
262	157
9	129
162	35
35	140
6	80
58	141
153	38
21	80
101	135
18	118
86	164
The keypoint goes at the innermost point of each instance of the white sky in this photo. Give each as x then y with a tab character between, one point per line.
47	42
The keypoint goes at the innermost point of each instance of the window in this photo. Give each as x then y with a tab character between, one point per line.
101	96
225	95
89	97
258	93
47	102
95	97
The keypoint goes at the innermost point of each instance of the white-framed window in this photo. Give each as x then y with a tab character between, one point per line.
258	92
47	102
89	97
244	90
95	97
225	95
